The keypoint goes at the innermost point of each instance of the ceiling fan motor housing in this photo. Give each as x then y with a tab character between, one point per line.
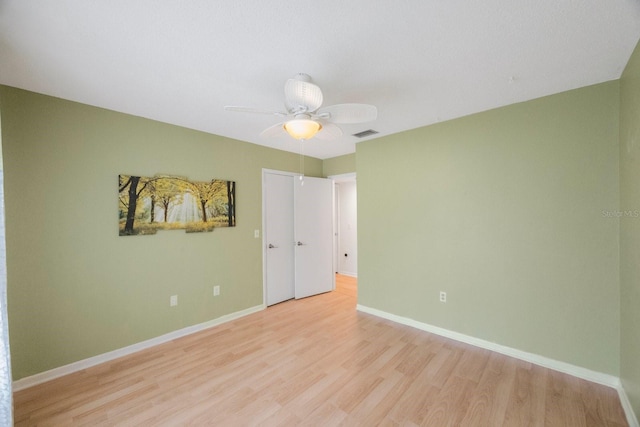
306	119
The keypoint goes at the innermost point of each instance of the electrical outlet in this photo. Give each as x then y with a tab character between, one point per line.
443	296
216	291
173	300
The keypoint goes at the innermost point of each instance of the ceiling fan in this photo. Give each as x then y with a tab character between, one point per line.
304	117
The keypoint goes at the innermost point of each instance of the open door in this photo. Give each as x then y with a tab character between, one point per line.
313	217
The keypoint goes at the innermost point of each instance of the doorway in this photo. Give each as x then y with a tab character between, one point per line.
346	219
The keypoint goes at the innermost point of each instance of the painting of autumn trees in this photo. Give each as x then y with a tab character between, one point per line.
166	203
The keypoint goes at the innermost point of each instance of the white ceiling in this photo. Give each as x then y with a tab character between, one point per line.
418	61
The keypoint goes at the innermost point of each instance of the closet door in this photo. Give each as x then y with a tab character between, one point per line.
298	236
314	272
279	238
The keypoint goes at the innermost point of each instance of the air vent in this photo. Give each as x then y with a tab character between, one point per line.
365	133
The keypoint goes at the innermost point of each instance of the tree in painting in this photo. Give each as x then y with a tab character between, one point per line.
165	202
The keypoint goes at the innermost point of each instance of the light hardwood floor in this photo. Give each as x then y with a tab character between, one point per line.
312	362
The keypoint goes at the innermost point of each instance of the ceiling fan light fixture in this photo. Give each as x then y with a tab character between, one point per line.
302	128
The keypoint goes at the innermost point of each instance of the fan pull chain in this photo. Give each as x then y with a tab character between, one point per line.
301	161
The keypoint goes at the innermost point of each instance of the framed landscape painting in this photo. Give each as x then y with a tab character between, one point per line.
149	204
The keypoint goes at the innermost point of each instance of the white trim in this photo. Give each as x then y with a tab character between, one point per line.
628	409
343	177
556	365
42	377
278	172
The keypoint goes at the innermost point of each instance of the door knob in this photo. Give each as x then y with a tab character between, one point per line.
271	246
300	244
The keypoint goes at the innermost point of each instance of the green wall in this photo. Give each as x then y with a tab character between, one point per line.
75	288
339	165
510	212
630	229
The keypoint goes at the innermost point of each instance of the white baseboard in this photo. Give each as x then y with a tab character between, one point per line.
42	377
628	409
556	365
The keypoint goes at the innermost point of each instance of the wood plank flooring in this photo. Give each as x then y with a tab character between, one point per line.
313	362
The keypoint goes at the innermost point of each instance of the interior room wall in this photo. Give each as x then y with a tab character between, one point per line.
512	213
630	229
75	288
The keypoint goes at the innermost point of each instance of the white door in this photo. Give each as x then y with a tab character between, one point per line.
314	272
279	238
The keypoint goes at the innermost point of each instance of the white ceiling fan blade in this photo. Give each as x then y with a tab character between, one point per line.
349	113
329	132
274	131
254	110
298	93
